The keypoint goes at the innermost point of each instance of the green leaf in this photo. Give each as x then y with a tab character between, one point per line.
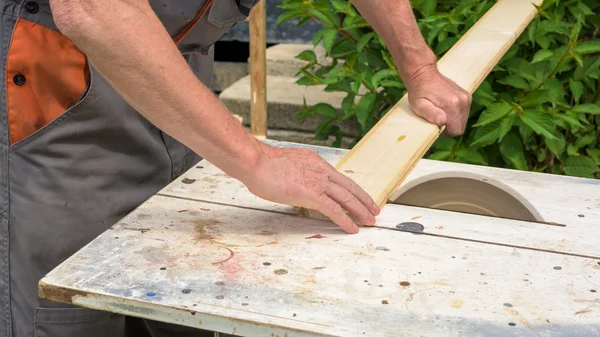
440	155
580	166
539	123
428	7
486	135
381	75
444	143
520	67
391	84
325	110
347	104
588	47
328	18
323	129
535	98
511	148
339	5
515	81
357	82
364	109
506	125
585	140
577	89
594	154
525	131
288	15
493	113
558	27
532	30
541	55
570	119
307	55
364	40
575	31
484	95
557	146
590	65
342	48
572	150
326	36
389	60
593	109
471	156
555	90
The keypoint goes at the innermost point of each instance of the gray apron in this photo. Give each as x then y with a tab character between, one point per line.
78	173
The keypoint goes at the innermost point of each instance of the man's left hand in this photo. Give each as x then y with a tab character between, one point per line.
439	100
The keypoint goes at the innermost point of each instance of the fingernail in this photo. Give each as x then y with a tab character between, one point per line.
439	119
376	209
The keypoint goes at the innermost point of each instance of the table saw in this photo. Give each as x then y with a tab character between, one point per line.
204	252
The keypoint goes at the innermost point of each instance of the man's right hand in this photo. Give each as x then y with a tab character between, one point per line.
131	49
300	177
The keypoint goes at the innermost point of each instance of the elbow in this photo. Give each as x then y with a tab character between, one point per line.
73	18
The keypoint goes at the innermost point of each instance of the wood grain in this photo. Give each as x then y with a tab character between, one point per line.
381	161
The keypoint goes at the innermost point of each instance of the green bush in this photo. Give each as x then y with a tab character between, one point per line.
537	110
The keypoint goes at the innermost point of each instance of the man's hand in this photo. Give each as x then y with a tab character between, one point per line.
130	47
438	99
302	178
431	95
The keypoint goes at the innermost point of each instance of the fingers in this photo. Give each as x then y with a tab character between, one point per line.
426	109
458	107
349	202
356	191
335	212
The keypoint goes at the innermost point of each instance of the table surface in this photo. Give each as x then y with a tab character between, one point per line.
206	253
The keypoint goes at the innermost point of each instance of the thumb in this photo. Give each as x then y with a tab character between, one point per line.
426	109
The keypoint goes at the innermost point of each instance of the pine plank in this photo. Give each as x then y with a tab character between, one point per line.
382	160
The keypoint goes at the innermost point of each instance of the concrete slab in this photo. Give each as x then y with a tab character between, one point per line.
282	61
285	99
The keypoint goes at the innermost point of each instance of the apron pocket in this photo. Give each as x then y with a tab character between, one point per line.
77	322
46	75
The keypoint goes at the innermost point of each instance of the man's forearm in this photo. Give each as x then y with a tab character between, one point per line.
128	45
394	21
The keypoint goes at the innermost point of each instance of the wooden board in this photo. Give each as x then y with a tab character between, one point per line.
381	161
259	273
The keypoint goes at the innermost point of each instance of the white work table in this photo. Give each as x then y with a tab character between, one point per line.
206	253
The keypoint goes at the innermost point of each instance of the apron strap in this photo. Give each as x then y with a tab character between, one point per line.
245	6
181	35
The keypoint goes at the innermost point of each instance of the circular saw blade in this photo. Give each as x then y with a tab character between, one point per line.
467	193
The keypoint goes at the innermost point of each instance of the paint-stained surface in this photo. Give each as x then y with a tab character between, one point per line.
252	268
228	264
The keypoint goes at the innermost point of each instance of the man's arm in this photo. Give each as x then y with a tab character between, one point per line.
430	94
129	46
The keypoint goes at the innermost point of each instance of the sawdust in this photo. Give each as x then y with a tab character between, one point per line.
457	303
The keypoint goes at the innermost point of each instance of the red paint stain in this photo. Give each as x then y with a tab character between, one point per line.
231	253
316	236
